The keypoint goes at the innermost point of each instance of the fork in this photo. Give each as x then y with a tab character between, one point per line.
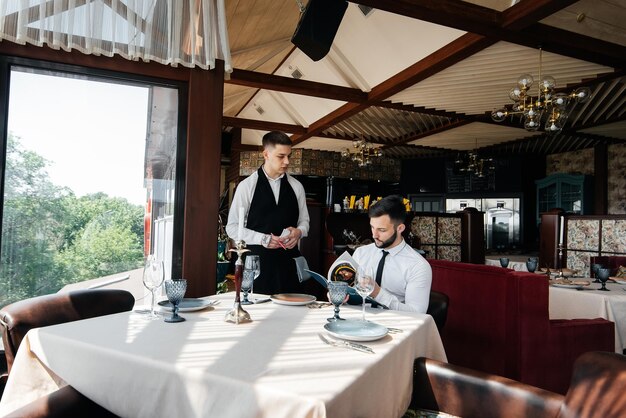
345	344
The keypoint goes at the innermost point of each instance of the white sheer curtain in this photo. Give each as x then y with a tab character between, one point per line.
192	33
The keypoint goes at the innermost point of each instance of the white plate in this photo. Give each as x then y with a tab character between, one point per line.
188	304
568	286
620	280
356	330
292	299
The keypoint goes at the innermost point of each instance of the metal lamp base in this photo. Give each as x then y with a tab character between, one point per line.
237	315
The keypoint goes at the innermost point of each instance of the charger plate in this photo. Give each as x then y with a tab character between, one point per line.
293	299
188	304
575	284
356	330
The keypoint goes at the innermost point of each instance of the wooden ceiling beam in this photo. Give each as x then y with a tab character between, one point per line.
517	24
261	125
292	85
450	54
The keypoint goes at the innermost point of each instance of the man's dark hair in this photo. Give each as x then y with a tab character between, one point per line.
274	138
391	205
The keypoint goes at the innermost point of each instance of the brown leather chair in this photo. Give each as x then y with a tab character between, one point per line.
20	317
596	391
438	308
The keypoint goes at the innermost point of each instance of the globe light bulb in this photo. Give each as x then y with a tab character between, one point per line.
531	124
582	94
553	126
560	100
525	81
515	94
547	84
499	115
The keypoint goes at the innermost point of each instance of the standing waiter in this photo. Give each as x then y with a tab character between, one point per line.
273	204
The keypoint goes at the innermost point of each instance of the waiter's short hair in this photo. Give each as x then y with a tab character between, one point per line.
274	138
391	205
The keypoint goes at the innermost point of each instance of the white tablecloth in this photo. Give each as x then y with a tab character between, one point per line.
572	304
275	366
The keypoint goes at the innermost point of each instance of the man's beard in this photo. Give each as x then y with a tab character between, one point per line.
389	241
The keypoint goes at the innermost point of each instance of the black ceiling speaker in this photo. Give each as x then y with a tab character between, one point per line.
318	26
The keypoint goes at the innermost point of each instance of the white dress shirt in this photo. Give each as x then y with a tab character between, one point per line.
243	198
407	276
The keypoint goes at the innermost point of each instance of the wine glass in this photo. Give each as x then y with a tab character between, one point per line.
531	265
153	276
246	283
504	262
364	284
255	265
603	276
175	291
337	292
594	269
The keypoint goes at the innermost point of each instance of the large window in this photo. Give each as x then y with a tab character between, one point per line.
90	179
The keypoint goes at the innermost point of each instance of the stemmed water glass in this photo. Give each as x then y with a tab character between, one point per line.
364	284
603	276
531	264
153	276
337	292
252	270
175	291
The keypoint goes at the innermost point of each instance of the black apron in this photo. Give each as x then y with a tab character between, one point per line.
278	269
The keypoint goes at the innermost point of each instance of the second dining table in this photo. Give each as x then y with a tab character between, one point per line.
274	366
589	302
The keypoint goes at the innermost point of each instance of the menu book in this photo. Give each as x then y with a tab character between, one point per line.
343	269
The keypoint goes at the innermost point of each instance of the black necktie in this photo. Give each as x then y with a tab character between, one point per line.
381	266
379	273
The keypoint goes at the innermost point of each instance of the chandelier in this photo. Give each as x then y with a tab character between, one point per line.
473	164
547	107
363	153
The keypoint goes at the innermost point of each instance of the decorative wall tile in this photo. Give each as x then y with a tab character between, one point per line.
431	251
425	228
325	163
582	234
449	252
579	260
617	179
614	236
575	162
449	230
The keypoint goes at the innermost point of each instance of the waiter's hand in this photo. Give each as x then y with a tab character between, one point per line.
291	240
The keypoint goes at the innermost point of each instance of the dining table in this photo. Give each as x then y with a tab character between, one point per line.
590	302
274	366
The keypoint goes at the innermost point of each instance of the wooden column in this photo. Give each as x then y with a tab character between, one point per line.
204	134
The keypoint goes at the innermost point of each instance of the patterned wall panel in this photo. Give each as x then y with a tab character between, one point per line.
449	252
614	236
582	234
325	163
617	179
431	251
579	260
450	230
578	162
425	228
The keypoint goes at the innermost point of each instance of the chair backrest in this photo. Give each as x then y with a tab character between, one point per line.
597	387
438	308
19	317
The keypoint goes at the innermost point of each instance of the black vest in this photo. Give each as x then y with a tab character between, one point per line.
265	215
278	270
